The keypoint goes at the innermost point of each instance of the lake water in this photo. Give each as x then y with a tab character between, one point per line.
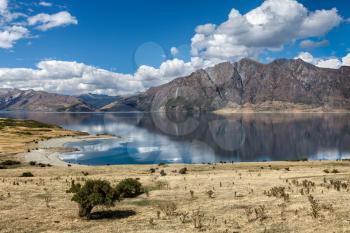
201	138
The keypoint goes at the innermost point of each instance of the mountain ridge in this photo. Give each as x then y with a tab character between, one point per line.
30	100
243	86
282	85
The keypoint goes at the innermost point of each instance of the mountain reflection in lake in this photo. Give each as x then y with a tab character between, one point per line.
195	138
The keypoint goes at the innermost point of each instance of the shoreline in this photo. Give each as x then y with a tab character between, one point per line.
48	151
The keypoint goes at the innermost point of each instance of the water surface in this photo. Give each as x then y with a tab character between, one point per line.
198	138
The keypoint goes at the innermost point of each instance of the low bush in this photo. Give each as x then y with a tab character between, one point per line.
93	193
10	163
335	171
168	208
129	188
100	192
32	163
162	173
27	174
315	207
183	171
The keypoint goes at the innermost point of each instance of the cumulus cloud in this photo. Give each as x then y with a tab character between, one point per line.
15	26
44	22
310	44
346	60
332	63
10	35
76	78
305	56
269	26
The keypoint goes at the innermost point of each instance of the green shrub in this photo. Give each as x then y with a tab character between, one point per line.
129	188
32	163
183	171
27	174
93	193
10	163
85	173
162	173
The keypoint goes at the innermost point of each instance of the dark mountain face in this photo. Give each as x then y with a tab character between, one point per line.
98	101
18	100
280	85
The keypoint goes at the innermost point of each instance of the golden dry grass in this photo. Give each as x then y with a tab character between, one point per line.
22	136
40	204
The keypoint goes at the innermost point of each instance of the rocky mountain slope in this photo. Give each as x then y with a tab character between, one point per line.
98	101
248	85
18	100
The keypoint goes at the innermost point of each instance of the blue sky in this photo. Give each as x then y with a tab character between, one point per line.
120	36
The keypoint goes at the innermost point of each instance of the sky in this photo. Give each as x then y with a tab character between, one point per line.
124	47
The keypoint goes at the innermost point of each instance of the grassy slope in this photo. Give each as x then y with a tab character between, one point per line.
17	136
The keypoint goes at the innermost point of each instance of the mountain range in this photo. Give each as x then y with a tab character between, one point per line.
246	85
30	100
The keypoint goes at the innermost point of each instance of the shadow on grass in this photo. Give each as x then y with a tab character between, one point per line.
112	214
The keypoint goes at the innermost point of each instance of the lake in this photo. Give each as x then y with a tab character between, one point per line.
152	138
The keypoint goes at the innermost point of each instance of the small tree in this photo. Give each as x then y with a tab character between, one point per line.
93	193
129	188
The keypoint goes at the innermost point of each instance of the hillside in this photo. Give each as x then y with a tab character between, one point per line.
30	100
248	85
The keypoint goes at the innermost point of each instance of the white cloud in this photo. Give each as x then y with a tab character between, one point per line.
3	6
45	4
313	44
205	29
269	26
44	22
10	35
174	51
332	63
76	78
305	56
346	60
17	25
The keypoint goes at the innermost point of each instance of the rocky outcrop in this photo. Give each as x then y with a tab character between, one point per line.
281	85
39	101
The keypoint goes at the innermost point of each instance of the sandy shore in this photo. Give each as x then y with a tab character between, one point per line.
48	151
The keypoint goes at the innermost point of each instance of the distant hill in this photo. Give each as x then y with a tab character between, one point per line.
30	100
246	85
98	101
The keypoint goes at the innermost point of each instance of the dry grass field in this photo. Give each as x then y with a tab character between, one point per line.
300	196
245	197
